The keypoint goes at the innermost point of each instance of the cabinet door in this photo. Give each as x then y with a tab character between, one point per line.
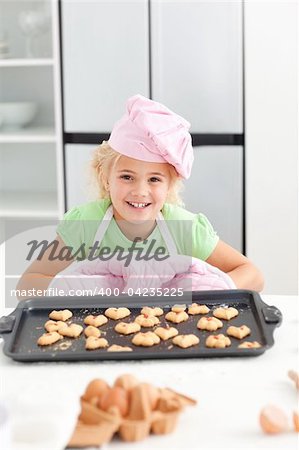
197	61
77	167
105	60
215	189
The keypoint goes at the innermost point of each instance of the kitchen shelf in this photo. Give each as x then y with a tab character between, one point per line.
28	135
28	204
26	62
31	158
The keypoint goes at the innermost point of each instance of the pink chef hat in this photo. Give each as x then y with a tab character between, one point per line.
151	132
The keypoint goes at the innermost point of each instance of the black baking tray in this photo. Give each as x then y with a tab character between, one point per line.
21	329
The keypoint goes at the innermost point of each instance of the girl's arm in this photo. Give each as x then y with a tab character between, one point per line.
41	272
242	271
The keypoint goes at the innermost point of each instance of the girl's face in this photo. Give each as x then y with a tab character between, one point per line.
138	189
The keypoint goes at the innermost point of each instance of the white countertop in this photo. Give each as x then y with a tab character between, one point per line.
230	391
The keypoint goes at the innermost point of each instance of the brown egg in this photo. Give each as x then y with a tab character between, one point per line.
296	421
95	389
153	394
115	397
94	400
273	420
126	381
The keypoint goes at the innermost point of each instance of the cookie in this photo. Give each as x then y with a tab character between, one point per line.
248	344
127	328
52	325
177	317
92	331
238	332
152	311
73	331
225	313
166	333
185	340
62	315
209	323
119	348
117	313
178	308
147	321
95	321
147	339
218	341
93	342
198	309
49	338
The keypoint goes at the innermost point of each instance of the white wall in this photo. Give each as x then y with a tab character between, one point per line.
271	121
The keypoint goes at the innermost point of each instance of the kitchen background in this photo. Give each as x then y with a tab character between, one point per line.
228	67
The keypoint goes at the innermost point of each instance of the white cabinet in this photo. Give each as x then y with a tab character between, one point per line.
215	188
30	154
76	161
105	60
189	59
197	62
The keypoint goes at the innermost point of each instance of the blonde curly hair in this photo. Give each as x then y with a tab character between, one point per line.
103	160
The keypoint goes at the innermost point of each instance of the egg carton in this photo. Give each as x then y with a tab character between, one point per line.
96	427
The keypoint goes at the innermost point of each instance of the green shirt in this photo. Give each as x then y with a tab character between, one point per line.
192	233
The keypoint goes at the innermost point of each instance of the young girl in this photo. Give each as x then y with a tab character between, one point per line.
138	175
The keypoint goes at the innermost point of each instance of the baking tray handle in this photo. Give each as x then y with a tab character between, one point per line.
272	315
7	324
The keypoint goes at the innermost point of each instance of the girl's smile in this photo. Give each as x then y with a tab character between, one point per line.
139	205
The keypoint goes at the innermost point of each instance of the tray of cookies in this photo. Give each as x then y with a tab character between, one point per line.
202	324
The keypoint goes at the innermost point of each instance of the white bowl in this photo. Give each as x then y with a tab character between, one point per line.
17	114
